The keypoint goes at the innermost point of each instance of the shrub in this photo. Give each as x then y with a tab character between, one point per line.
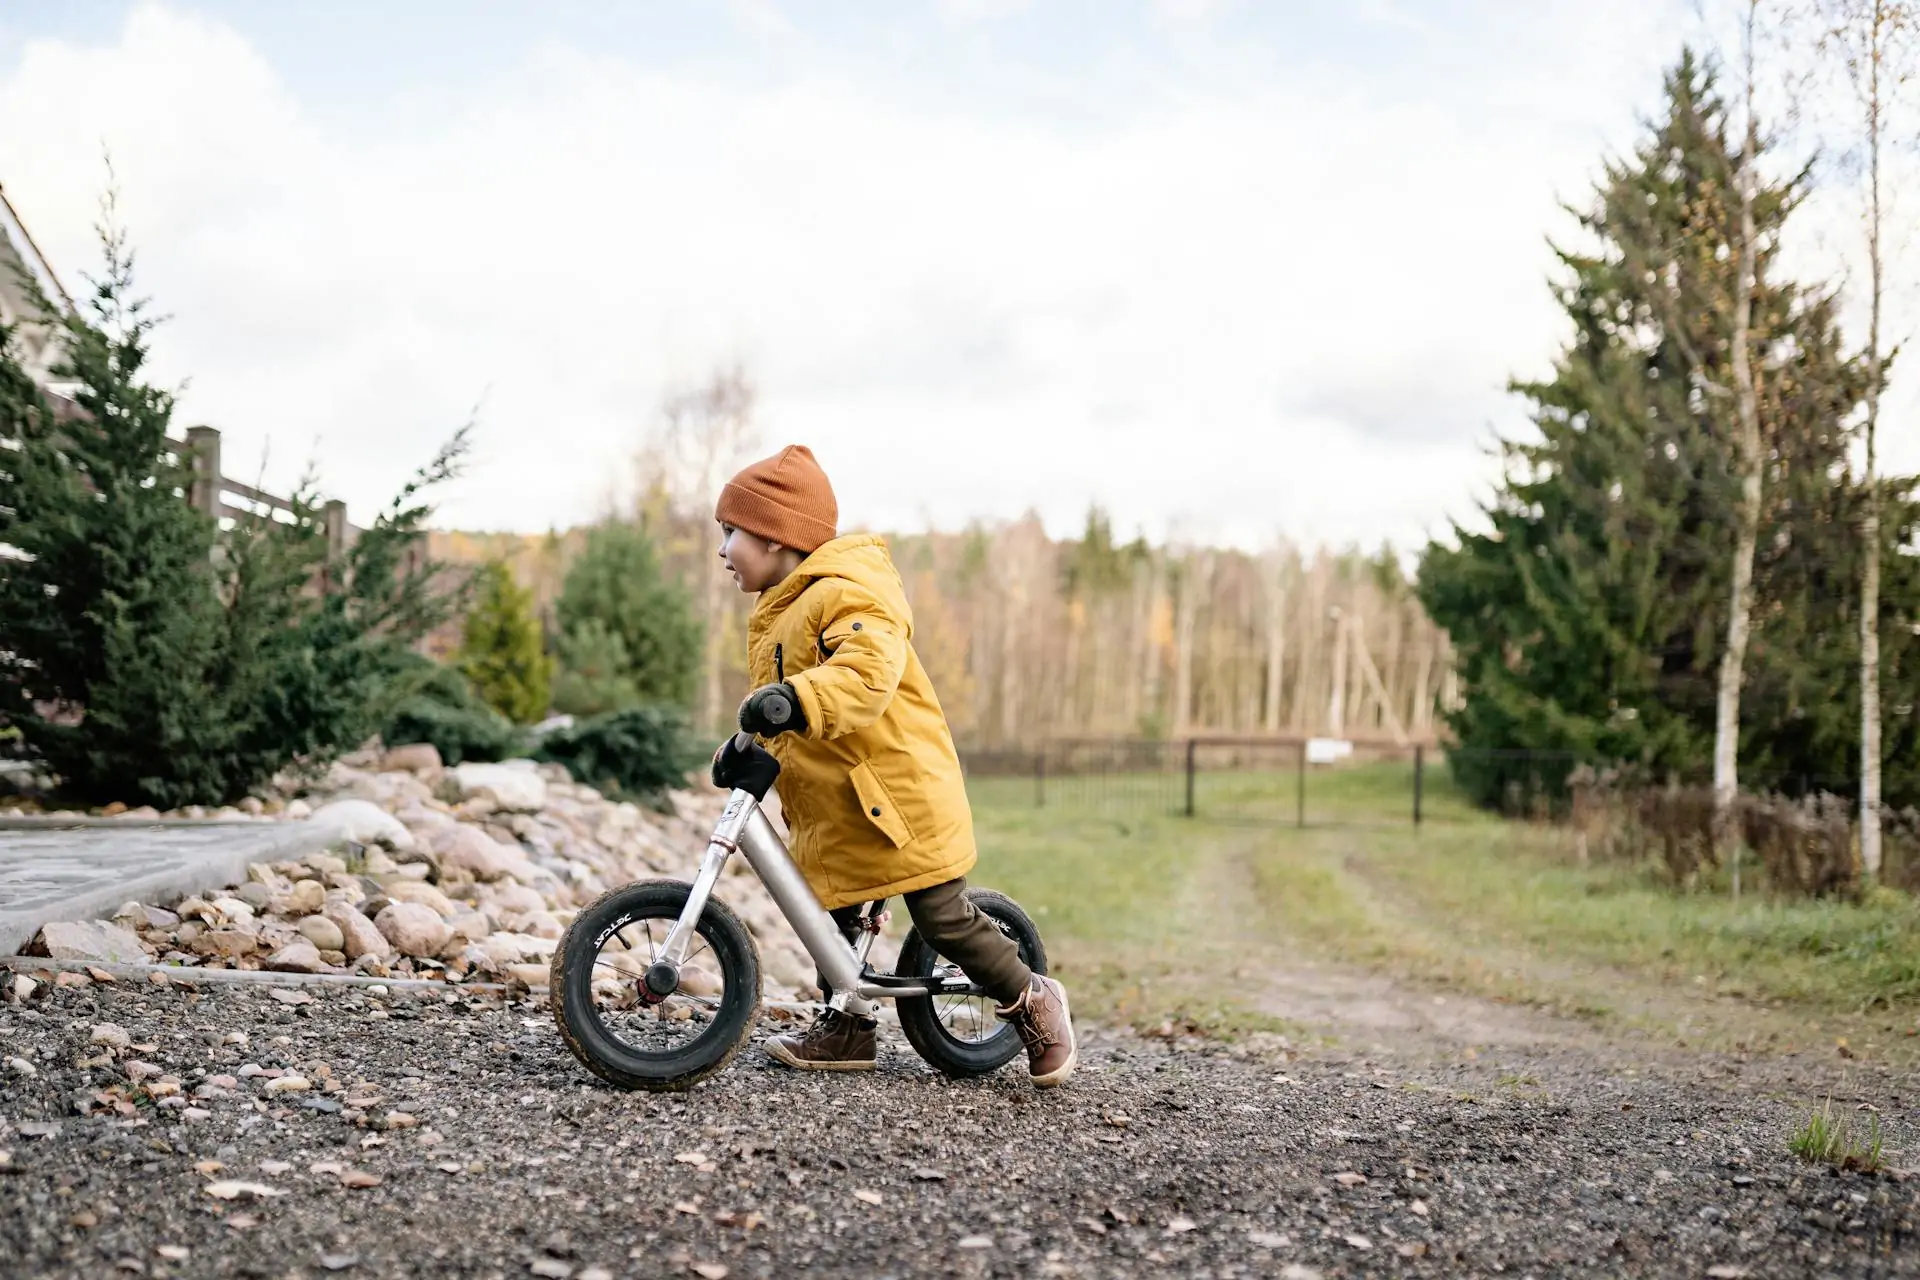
639	753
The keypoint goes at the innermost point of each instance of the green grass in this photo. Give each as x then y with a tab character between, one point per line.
1825	1139
1158	917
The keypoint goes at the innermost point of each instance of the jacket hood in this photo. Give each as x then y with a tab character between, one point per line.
859	558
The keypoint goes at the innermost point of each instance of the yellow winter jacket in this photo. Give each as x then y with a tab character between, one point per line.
873	795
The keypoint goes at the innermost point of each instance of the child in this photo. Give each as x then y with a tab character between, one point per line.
869	779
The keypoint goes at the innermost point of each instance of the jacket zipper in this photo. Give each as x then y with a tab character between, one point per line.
779	665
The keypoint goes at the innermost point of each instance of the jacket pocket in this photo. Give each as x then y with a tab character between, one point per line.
876	802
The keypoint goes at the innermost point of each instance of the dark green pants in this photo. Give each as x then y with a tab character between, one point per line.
962	933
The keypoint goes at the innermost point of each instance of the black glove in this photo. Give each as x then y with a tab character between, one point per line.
772	709
750	767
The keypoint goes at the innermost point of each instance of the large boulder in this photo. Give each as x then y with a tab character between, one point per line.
424	894
414	930
298	956
363	822
513	787
89	940
475	853
415	757
322	933
359	937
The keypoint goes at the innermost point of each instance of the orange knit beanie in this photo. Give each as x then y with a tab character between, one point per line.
784	499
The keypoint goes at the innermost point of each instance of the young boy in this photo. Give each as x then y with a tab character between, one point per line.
869	779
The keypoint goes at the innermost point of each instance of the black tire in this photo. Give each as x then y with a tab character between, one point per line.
920	1017
584	1026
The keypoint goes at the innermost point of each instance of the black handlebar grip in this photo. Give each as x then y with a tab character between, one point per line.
777	708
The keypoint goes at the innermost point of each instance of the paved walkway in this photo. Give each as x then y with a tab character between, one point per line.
50	871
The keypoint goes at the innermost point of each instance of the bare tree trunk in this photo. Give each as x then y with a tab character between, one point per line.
1193	583
1337	705
1726	740
1422	700
1875	38
1276	645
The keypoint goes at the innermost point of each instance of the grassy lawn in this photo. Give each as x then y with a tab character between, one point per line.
1154	916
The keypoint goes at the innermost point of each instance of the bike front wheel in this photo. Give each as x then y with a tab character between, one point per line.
959	1034
616	1027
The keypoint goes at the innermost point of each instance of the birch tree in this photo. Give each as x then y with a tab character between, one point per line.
1873	44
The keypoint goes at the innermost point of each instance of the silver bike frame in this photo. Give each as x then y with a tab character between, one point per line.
745	828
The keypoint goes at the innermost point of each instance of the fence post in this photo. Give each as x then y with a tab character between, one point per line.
204	496
1300	788
1040	778
1419	770
1192	743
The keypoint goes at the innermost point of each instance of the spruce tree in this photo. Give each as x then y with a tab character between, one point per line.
501	650
617	582
594	672
1589	615
136	663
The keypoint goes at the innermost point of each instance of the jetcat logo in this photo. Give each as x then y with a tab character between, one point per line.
610	930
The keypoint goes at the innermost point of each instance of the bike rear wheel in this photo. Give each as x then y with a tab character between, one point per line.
608	1019
960	1035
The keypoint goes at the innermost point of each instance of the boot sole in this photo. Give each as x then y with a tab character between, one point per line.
787	1059
1059	1075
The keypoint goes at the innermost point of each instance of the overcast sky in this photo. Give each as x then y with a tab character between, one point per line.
1232	270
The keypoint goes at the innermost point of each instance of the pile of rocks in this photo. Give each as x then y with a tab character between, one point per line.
473	871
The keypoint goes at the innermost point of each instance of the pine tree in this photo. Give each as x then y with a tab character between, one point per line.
135	663
501	649
1591	615
617	582
594	672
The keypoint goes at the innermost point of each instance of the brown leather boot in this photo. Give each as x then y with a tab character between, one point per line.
1045	1025
835	1042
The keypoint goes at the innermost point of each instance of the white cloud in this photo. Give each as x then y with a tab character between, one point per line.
1252	308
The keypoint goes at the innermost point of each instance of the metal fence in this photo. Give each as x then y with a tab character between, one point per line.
1256	780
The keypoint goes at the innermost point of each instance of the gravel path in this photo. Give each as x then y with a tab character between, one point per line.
445	1139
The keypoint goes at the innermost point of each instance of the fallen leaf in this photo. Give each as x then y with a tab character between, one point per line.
338	1261
693	1157
1351	1179
450	1166
85	1218
1268	1240
1411	1249
1294	1271
711	1270
233	1190
242	1221
1727	1271
1118	1119
1180	1225
372	1140
976	1242
207	1168
1094	1225
274	1168
359	1179
687	1207
752	1220
172	1252
867	1197
1419	1208
326	1166
1358	1242
929	1175
551	1267
38	1128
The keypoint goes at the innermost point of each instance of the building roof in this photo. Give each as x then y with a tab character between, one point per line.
17	249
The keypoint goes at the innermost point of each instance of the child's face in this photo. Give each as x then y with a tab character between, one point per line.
754	562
